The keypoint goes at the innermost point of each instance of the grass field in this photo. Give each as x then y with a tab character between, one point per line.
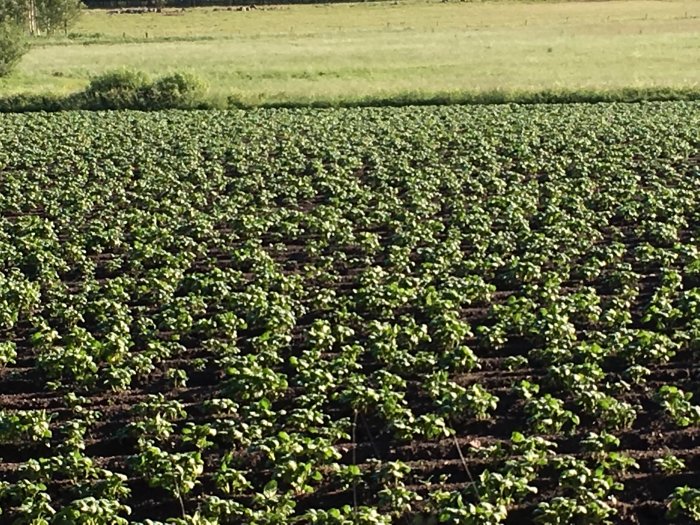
352	51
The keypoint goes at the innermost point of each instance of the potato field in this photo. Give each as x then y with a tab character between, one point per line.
412	316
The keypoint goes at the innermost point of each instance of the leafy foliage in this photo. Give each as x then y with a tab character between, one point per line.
13	46
347	316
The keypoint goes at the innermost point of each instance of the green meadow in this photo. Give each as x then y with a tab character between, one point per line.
345	52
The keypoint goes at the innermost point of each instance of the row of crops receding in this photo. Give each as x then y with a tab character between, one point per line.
455	315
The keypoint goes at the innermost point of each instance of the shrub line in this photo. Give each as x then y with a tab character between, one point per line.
128	90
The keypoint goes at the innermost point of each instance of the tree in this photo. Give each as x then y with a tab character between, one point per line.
13	45
41	16
54	15
13	11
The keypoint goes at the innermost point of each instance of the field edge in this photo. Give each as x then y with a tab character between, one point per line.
46	102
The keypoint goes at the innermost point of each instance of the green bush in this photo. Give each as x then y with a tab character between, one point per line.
126	89
25	103
176	91
123	89
13	45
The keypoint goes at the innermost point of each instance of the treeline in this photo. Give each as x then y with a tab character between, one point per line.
118	4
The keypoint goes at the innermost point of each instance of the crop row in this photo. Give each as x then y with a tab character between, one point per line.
459	315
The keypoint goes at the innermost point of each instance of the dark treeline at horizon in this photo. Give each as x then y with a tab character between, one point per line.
117	4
